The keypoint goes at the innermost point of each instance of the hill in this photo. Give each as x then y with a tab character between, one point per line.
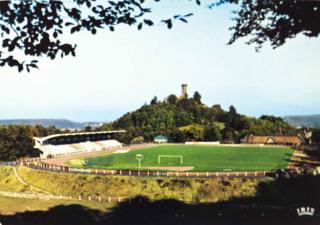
188	119
303	121
58	123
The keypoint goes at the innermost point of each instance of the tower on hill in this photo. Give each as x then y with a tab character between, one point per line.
184	92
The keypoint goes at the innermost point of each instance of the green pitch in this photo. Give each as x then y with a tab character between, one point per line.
201	158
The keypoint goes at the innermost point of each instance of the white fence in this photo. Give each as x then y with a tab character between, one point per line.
40	196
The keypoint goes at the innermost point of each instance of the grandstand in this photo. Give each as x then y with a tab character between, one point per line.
75	143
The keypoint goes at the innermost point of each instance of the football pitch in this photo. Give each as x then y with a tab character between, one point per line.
194	158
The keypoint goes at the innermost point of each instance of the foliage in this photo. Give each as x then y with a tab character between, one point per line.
274	21
212	133
193	132
188	119
197	97
154	100
16	141
137	140
35	28
88	129
272	119
153	188
12	206
214	192
151	120
9	182
172	99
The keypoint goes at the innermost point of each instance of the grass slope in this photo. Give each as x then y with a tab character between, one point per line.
202	158
14	205
154	188
9	182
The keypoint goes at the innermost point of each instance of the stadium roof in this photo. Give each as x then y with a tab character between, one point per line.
76	134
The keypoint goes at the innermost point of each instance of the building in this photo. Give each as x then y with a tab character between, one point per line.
184	91
160	139
274	139
74	143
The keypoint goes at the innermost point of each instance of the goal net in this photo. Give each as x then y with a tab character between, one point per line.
163	157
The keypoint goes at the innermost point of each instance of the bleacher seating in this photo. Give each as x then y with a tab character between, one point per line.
110	143
90	146
78	147
71	149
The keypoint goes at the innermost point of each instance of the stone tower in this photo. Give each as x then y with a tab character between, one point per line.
184	92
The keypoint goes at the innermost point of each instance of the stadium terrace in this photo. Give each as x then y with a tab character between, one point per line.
75	143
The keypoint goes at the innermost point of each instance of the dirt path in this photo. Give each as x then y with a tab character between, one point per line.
28	195
21	180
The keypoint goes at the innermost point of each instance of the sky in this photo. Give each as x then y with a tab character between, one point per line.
117	72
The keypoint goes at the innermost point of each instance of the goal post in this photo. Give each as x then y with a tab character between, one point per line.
170	156
139	157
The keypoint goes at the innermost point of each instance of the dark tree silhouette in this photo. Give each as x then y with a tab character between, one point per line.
154	100
172	99
197	97
232	110
274	21
30	29
34	26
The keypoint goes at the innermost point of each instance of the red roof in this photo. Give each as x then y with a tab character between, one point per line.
273	139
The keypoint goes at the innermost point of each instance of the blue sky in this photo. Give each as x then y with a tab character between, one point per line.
114	73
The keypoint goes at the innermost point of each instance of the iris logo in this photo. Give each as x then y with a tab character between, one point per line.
305	211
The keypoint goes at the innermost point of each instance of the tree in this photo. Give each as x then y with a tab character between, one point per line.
53	130
137	140
41	131
197	97
274	21
16	141
104	127
229	134
232	110
34	27
272	119
193	132
154	100
177	136
212	133
88	129
172	99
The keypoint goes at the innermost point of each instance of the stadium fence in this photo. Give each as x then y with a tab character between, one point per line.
36	164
